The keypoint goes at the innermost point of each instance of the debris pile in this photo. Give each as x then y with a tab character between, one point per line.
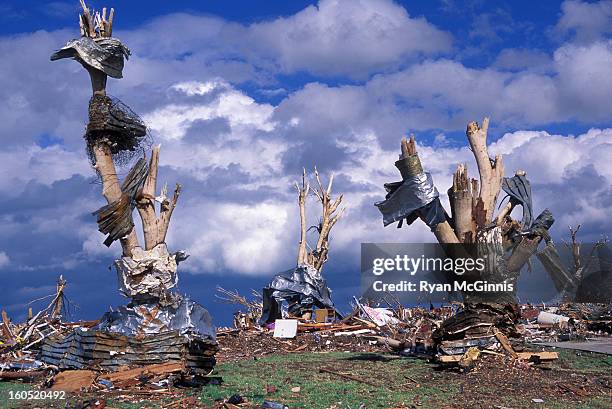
566	322
450	335
302	288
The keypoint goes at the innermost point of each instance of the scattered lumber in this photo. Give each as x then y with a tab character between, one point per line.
73	380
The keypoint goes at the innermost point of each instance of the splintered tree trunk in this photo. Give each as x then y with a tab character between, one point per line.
462	199
329	217
154	227
473	222
491	172
302	195
111	188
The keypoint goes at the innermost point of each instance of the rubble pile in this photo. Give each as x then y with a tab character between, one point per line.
454	335
566	322
99	356
136	347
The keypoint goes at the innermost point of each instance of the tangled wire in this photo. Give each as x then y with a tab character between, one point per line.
114	123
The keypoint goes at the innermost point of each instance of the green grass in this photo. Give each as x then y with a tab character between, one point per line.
323	390
397	382
586	362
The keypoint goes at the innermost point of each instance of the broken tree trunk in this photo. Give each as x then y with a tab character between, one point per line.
111	189
96	26
409	165
329	217
491	171
302	195
155	227
330	214
462	196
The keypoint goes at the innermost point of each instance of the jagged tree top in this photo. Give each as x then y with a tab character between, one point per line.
96	48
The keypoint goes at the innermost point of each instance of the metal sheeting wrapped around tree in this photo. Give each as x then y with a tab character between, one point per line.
188	317
103	54
147	273
413	197
302	288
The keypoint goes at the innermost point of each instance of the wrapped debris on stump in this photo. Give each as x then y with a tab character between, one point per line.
503	244
158	325
148	273
302	289
415	196
103	54
115	123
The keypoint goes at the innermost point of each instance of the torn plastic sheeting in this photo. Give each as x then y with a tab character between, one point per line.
381	316
518	190
406	197
103	54
542	224
147	272
302	288
189	318
432	214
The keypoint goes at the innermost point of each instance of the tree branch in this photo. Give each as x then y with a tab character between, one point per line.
167	207
491	172
461	198
302	194
146	203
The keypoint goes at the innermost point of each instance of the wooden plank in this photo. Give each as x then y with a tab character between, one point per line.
7	334
503	340
156	369
542	356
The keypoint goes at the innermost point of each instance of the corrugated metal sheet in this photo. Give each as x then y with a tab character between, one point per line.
95	349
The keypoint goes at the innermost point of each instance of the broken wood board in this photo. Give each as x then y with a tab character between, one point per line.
156	369
503	340
74	380
538	356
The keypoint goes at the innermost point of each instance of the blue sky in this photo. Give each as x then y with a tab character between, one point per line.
243	94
